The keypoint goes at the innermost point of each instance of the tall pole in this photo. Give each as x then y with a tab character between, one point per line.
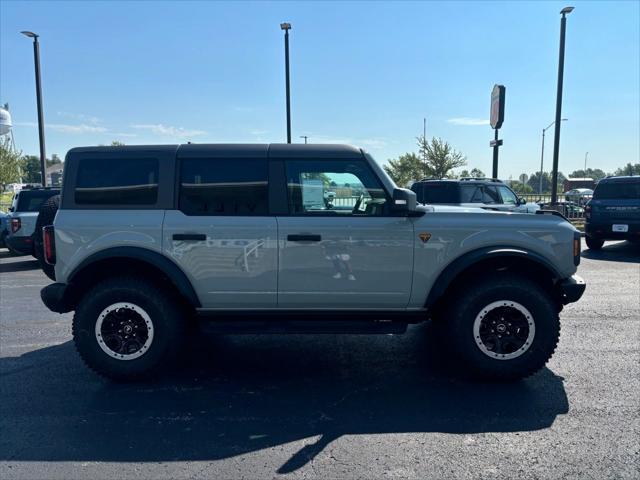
494	171
286	27
556	138
305	138
586	154
36	61
541	164
424	138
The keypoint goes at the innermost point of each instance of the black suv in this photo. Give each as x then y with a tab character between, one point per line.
614	211
487	193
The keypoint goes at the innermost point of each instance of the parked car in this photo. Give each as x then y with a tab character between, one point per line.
4	228
472	192
23	214
149	239
568	209
579	195
614	211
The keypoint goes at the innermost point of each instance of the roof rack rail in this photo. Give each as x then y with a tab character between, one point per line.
486	179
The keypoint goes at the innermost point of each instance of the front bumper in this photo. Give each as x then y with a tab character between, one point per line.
571	289
57	297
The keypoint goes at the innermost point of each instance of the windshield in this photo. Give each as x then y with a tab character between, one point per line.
617	191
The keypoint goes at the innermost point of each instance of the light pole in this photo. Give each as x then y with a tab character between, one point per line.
556	138
286	27
542	153
36	61
586	154
305	138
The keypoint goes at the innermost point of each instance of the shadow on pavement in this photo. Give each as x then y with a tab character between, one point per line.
615	252
235	395
25	263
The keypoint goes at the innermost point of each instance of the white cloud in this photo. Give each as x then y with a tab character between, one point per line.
259	133
169	131
80	116
467	121
67	128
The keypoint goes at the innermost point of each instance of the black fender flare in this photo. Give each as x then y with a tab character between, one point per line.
455	268
173	272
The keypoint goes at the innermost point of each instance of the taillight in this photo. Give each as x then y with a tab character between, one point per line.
15	225
587	211
576	248
49	244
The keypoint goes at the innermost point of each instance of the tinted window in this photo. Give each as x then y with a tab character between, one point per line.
224	187
333	188
470	194
439	193
31	201
117	181
490	195
508	196
617	191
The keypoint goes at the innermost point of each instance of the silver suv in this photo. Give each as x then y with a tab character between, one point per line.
240	238
23	215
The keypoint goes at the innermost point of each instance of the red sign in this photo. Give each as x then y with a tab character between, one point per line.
497	106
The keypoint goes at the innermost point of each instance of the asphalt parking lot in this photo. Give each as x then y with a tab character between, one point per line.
325	406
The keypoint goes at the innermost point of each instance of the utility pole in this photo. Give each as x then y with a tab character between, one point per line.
424	139
36	61
286	27
556	138
305	138
585	163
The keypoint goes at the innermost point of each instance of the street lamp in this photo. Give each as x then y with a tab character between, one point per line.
556	138
36	61
286	27
542	153
305	138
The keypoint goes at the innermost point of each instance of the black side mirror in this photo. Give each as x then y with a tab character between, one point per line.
11	209
404	201
522	201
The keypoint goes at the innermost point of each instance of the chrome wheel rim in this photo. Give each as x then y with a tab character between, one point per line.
504	330
124	331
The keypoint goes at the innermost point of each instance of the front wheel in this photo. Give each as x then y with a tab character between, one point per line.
127	328
594	243
504	329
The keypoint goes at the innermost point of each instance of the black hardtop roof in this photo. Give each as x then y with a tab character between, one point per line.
459	180
274	150
621	179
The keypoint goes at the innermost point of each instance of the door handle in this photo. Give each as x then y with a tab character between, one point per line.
194	237
304	238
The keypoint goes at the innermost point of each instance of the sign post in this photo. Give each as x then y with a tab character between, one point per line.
496	120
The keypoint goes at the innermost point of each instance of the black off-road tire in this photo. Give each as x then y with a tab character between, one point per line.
46	215
594	243
163	310
457	336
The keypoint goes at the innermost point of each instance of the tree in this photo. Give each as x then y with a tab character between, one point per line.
9	164
477	173
117	143
405	168
30	169
54	160
522	188
628	169
534	182
440	157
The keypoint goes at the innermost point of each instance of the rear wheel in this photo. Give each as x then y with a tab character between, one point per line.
504	329
127	328
594	243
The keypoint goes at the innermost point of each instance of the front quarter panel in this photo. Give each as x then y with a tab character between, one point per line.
455	234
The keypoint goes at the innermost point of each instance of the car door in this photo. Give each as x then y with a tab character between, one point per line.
349	252
221	233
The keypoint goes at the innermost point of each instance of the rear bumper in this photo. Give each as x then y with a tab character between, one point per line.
21	244
603	230
571	289
57	297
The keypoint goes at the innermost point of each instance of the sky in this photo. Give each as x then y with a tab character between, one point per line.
363	73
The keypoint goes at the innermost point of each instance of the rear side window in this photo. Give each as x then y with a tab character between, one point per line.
617	191
117	181
470	194
235	186
490	195
439	193
31	201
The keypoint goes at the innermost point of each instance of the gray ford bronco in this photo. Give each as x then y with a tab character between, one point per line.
150	240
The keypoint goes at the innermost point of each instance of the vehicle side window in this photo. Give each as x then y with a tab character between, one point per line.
333	187
117	181
490	195
236	186
470	194
508	197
